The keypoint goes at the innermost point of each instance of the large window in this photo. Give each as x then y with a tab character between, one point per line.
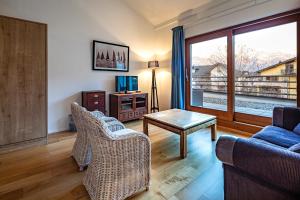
242	72
265	69
209	74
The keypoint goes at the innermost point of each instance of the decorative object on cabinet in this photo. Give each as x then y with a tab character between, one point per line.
154	97
94	100
126	107
110	57
23	83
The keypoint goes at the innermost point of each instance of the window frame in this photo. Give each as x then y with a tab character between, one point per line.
230	115
225	115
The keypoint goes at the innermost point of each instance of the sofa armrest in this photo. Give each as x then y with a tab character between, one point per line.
286	117
224	149
274	165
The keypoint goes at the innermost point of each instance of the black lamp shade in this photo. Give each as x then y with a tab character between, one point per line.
152	64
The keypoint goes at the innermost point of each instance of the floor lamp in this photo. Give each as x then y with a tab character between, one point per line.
154	97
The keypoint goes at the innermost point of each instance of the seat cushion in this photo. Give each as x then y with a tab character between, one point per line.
264	142
278	136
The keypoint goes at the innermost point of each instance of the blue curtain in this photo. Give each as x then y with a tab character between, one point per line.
177	98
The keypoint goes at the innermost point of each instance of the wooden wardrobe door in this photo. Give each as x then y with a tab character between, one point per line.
23	80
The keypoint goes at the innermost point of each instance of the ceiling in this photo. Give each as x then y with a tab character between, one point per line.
158	12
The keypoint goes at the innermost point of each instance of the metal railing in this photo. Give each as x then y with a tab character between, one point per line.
279	86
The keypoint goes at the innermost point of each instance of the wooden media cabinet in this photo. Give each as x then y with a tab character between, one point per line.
127	107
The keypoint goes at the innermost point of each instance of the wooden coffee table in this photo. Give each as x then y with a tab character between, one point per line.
181	122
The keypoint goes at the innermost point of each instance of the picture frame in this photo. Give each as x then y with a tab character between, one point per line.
110	57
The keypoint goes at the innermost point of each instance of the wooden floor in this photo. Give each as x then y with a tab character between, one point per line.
48	172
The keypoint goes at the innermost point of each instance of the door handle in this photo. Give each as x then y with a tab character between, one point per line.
186	74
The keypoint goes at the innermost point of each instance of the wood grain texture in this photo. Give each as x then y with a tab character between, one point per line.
23	81
180	119
49	172
137	101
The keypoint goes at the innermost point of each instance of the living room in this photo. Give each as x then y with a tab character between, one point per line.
149	99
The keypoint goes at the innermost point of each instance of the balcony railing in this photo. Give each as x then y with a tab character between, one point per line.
281	86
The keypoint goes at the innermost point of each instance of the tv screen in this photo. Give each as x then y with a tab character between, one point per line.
126	83
132	83
121	84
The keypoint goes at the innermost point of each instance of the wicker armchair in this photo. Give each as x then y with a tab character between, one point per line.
82	150
120	164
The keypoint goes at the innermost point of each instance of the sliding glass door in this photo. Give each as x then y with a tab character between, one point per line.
209	74
266	69
241	73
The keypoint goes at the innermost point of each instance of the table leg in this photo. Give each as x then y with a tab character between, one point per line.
145	126
183	144
213	132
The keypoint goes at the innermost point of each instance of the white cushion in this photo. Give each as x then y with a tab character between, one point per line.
124	131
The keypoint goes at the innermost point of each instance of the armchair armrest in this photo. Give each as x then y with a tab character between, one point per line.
137	147
124	134
286	117
137	139
275	165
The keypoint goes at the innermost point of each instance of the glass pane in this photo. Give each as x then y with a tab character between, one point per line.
266	69
209	74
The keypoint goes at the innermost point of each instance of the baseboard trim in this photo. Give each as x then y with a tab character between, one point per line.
22	145
239	127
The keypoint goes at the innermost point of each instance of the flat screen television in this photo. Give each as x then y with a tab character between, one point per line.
126	83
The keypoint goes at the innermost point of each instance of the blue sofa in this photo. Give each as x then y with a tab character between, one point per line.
267	165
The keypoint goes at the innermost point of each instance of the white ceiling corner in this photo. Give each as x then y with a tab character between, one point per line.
161	12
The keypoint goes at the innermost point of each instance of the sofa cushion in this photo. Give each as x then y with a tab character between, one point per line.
297	129
264	142
278	136
295	148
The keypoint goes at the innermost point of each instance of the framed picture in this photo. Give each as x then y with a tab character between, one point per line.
110	57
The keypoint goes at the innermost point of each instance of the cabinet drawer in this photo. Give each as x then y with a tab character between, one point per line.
93	100
95	95
137	114
140	113
93	103
131	115
123	116
96	107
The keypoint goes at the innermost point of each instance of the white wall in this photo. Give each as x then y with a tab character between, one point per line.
231	13
72	25
163	52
